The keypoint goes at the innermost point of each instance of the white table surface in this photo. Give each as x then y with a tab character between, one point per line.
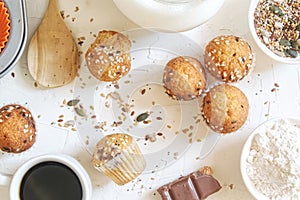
46	103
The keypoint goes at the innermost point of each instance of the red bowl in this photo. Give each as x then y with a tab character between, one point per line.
4	25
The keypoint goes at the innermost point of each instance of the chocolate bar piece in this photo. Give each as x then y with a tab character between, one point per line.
195	186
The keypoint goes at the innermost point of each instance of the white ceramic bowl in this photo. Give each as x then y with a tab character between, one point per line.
250	186
245	152
261	45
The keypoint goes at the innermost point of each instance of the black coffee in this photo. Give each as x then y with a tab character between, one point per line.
50	181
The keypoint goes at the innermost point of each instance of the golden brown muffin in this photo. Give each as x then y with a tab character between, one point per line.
119	157
228	58
184	78
225	108
17	128
108	58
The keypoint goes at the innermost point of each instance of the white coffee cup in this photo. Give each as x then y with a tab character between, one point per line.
15	181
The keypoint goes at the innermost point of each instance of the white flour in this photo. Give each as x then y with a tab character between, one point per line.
273	163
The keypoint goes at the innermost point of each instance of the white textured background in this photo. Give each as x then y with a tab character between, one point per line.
232	19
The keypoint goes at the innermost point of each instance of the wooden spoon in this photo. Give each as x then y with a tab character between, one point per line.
53	53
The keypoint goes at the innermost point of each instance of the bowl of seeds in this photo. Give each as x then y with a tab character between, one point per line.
275	27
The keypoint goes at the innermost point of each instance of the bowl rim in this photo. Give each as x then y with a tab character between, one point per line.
260	44
245	151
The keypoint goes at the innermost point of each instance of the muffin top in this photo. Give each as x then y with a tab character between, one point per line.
225	108
108	57
17	128
228	58
110	147
184	78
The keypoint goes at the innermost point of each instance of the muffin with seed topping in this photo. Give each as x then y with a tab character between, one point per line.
225	108
17	128
119	157
184	78
228	58
108	58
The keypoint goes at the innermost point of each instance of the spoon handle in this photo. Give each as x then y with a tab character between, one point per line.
52	5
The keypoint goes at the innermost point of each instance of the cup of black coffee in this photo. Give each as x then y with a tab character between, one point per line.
50	177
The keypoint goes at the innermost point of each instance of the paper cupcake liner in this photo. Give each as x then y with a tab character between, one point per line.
126	169
4	25
119	158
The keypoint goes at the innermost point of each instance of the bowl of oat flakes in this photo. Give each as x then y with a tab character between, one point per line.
275	27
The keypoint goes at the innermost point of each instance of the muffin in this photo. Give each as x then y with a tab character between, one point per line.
108	58
225	108
17	128
119	157
228	58
184	78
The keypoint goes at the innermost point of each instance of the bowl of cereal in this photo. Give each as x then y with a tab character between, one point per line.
275	27
270	160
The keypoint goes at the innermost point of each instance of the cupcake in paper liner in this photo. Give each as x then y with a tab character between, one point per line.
4	25
119	157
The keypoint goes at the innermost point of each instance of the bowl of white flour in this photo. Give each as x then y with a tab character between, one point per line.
270	160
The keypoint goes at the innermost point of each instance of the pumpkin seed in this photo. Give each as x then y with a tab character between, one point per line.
142	117
298	27
80	112
291	53
276	10
73	102
284	42
295	45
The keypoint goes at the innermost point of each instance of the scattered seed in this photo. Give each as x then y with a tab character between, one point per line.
276	84
147	122
273	90
80	112
143	91
132	113
142	117
73	102
158	118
